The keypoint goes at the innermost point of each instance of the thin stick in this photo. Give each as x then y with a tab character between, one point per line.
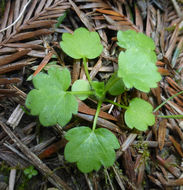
109	179
176	6
4	29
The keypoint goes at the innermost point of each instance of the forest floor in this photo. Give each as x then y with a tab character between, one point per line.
31	155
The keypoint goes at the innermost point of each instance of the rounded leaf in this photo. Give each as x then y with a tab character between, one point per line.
81	85
81	44
90	149
131	39
137	69
34	172
139	114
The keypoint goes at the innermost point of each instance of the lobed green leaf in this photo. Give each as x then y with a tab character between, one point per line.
139	114
81	44
138	69
90	149
50	100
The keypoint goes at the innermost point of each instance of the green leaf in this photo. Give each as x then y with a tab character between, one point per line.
27	171
90	149
50	100
60	20
131	39
81	85
54	56
81	44
137	69
139	114
30	171
118	87
29	176
30	78
34	172
99	88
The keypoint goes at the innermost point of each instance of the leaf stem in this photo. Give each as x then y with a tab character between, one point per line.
81	92
96	115
86	70
171	116
157	108
116	104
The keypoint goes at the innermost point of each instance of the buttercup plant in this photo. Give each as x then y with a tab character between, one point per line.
54	103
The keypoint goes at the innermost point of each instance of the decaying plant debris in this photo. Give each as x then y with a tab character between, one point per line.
150	160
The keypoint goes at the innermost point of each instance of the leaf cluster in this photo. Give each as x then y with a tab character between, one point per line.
54	102
30	172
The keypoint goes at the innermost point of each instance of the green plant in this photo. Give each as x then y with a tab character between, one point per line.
55	103
30	172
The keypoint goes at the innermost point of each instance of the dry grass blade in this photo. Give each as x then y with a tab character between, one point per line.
28	35
83	108
82	16
101	122
13	57
13	66
112	16
24	45
162	133
176	145
43	63
128	162
169	166
9	80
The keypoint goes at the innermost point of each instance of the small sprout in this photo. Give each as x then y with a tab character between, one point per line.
30	172
60	19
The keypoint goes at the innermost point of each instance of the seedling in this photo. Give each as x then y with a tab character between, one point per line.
30	172
55	103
